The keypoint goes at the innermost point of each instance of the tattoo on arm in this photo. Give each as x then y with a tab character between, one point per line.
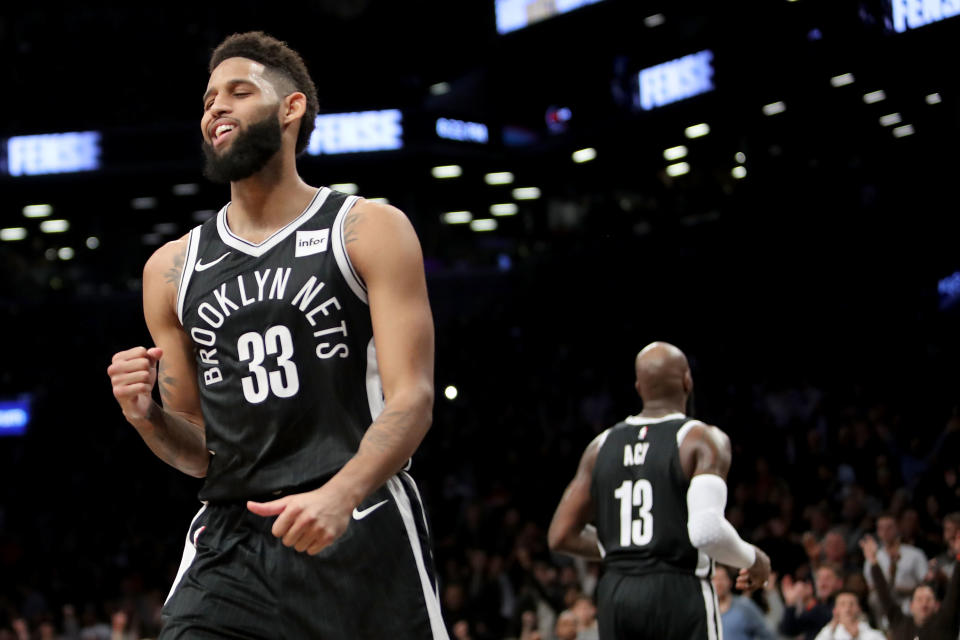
388	430
166	384
172	275
350	226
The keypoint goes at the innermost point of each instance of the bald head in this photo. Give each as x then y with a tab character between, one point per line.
663	374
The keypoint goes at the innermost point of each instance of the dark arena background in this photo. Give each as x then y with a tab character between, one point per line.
771	186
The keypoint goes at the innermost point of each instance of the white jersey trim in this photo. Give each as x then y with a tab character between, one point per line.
373	382
714	630
685	429
189	553
634	420
193	244
258	249
429	595
350	274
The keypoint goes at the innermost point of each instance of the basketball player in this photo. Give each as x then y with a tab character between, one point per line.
655	488
295	346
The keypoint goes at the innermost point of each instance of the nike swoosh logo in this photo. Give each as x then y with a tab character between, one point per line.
360	515
201	267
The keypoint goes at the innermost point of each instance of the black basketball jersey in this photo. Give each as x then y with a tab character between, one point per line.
640	493
286	364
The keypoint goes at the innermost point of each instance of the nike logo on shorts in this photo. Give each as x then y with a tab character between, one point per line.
360	515
201	267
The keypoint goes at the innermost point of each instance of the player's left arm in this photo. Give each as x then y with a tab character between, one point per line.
385	251
569	531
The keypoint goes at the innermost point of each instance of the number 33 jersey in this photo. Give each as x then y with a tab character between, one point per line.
286	364
639	490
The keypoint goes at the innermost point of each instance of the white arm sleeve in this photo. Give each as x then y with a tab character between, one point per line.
708	529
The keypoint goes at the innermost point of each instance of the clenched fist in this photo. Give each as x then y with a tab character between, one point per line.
133	373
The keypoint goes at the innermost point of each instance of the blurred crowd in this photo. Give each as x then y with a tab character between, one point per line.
858	508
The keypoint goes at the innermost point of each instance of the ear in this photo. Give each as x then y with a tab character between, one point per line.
687	381
294	106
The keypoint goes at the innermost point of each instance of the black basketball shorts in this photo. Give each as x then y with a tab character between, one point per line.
657	606
237	580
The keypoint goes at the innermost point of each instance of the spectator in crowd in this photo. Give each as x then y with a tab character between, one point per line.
903	565
847	622
586	612
740	617
566	627
808	608
928	619
944	563
832	549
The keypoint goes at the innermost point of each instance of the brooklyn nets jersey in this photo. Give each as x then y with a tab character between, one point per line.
286	364
640	493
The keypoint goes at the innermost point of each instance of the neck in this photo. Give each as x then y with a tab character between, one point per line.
659	407
270	198
724	601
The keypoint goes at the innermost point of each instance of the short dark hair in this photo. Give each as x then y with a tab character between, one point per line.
279	59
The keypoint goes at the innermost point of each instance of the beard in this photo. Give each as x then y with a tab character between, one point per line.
249	153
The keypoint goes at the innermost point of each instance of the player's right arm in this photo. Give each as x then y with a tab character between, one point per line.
174	432
569	532
705	456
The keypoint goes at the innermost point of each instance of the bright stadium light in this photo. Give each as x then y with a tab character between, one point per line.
499	177
54	226
12	234
697	130
739	172
483	224
457	217
349	188
526	193
874	96
774	108
584	155
678	169
675	153
447	171
504	209
842	80
450	392
37	210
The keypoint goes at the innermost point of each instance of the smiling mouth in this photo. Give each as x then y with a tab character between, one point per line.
222	133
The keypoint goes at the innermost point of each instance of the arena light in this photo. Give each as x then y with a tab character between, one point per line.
678	169
12	234
774	108
378	200
357	132
186	189
93	242
65	253
203	215
483	224
37	210
504	209
697	130
584	155
349	188
439	88
739	172
740	157
517	14
462	130
53	153
54	226
842	80
456	217
14	416
526	193
933	98
903	131
450	392
890	119
675	153
166	228
655	20
874	96
913	14
499	177
447	171
676	80
143	204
